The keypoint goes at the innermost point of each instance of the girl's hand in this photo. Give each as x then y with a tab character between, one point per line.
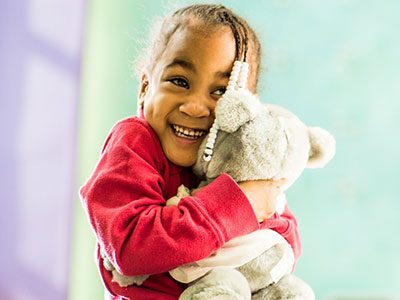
262	195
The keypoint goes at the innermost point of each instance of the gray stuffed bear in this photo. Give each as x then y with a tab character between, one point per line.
253	142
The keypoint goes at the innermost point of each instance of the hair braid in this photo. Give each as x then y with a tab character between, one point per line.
207	17
230	21
245	36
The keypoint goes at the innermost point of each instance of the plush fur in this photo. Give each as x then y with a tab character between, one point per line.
269	143
255	141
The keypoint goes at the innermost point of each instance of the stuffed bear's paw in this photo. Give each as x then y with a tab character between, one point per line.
219	284
289	287
124	281
173	201
183	191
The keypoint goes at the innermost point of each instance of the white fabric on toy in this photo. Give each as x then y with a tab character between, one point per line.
237	252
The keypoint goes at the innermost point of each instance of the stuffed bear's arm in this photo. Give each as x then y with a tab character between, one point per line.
240	251
286	225
183	191
122	280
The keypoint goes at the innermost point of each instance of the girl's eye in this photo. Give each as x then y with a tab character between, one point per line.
180	82
219	92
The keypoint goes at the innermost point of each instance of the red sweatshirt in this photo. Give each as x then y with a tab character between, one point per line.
124	199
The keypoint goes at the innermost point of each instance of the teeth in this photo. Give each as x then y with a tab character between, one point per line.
188	133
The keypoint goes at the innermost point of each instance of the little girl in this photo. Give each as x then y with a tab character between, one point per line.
146	158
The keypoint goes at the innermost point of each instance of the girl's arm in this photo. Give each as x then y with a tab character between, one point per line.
125	201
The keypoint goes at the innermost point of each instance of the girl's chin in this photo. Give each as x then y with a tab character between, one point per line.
183	163
181	158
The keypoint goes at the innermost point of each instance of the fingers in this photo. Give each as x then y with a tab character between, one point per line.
279	183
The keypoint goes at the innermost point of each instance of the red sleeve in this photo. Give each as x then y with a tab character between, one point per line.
287	226
125	201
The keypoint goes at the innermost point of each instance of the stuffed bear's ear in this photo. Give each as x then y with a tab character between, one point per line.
236	108
322	147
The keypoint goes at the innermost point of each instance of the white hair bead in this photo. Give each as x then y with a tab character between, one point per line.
234	77
207	157
213	130
242	81
237	79
212	135
210	144
208	151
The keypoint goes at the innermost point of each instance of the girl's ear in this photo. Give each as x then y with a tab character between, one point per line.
143	88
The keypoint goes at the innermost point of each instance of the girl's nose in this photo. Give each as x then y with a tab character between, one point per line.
195	108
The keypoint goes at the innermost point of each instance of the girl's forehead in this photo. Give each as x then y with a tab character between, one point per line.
198	46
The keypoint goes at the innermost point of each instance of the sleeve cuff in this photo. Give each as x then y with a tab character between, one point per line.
227	207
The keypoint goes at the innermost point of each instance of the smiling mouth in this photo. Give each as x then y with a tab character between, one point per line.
188	133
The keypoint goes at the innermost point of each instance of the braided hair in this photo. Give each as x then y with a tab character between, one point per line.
208	17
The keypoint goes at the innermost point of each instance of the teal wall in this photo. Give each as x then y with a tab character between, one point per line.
336	65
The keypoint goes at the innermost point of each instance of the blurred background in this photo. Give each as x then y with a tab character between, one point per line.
66	77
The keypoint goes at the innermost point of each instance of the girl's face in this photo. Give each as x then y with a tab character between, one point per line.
181	92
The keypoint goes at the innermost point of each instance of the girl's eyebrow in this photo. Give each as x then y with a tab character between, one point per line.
190	66
181	63
223	74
